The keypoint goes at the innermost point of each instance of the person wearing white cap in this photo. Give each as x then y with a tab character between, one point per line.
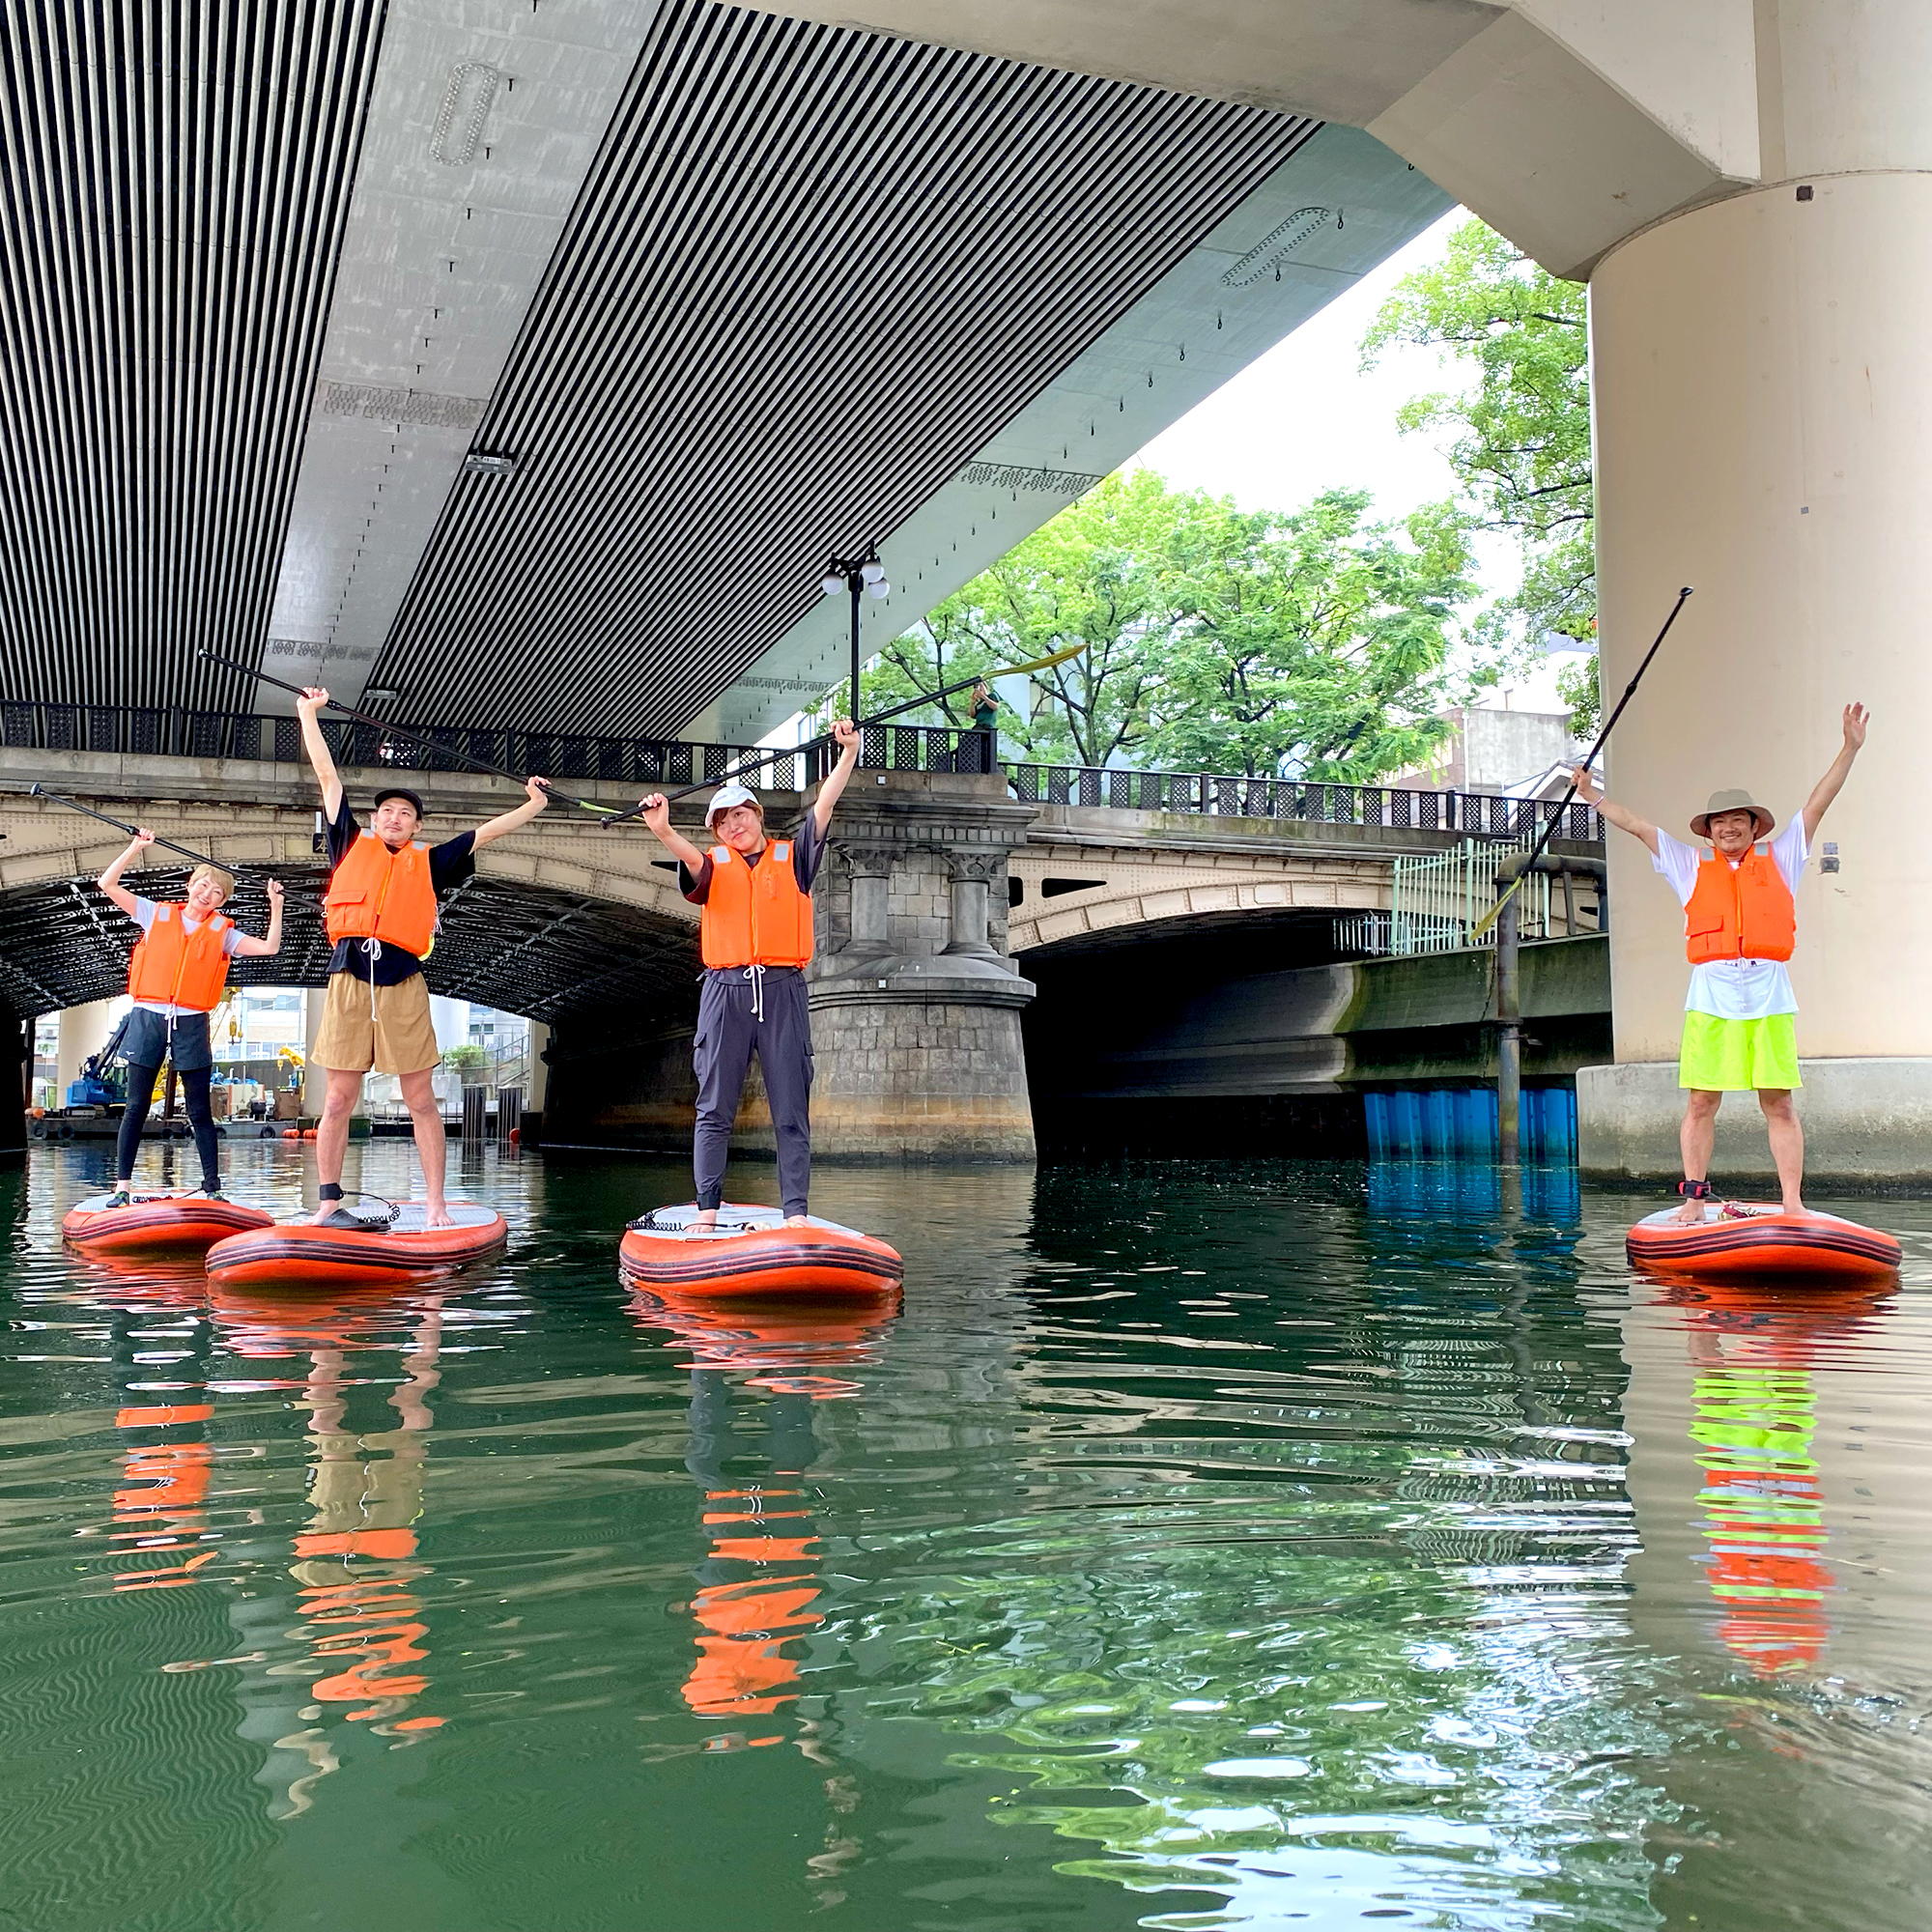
1740	926
755	933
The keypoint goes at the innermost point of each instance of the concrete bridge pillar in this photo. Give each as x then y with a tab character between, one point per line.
83	1030
916	1007
1761	391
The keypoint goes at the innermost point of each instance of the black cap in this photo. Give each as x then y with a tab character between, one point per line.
402	791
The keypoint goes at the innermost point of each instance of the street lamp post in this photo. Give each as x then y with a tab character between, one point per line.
862	577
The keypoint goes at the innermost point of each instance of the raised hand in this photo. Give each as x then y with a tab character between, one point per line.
538	790
1857	718
1586	792
846	733
275	895
657	812
312	699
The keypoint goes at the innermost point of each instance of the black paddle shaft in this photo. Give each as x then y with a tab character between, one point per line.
399	732
1590	756
121	825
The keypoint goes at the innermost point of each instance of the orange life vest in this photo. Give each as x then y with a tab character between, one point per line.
177	967
376	893
1740	912
754	915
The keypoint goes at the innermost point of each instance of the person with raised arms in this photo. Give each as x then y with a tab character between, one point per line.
754	896
1740	926
381	912
177	978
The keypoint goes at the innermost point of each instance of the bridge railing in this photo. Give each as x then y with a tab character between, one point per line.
899	748
1475	814
230	734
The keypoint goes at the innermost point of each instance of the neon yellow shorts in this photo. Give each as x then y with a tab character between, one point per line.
1738	1056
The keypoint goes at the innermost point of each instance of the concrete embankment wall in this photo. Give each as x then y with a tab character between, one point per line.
1164	1053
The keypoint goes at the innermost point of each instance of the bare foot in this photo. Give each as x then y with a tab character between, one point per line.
797	1220
1689	1215
437	1216
706	1222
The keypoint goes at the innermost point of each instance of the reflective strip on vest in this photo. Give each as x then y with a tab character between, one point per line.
376	893
175	967
1741	912
754	915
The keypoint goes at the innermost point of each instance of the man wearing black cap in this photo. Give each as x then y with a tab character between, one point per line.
381	913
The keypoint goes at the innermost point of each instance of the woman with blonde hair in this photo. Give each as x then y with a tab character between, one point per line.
177	976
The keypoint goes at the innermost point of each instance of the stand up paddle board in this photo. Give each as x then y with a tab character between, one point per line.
156	1223
299	1251
752	1252
1763	1243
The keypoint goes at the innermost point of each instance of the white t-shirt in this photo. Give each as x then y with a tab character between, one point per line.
1737	989
144	916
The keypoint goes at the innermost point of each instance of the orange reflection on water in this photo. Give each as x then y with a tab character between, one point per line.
760	1587
357	1564
1755	1412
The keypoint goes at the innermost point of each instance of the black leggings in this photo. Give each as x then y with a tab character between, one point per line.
200	1116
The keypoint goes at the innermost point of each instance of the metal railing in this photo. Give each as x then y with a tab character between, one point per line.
41	725
1437	901
38	725
1476	814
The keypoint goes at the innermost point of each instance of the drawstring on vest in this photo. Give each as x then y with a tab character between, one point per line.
372	951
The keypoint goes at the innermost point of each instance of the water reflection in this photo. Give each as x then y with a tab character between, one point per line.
760	1587
1197	1546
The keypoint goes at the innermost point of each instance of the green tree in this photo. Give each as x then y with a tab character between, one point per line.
1521	430
1214	637
1314	643
1101	574
1576	685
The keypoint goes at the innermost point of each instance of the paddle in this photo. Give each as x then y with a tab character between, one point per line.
121	825
1589	757
414	737
751	764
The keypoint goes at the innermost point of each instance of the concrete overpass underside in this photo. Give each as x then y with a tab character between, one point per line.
532	366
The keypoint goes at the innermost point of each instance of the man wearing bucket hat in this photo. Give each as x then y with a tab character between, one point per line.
754	935
1740	926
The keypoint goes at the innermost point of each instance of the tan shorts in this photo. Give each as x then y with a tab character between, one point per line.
399	1039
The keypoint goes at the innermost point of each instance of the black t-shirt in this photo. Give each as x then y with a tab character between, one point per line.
808	851
449	865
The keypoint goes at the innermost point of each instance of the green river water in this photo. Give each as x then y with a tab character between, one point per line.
1246	1545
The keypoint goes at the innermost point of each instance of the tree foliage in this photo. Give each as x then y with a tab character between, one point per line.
1519	440
1215	638
1577	687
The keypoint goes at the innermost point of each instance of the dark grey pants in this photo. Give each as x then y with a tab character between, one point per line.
729	1031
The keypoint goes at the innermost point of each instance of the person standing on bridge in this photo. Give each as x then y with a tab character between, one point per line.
754	934
1740	926
177	978
381	913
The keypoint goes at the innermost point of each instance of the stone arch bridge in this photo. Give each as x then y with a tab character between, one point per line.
940	891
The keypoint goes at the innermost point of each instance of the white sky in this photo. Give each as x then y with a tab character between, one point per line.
1306	417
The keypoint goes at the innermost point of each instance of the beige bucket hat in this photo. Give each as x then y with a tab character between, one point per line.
1732	801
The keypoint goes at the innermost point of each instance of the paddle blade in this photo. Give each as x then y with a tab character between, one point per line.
1494	913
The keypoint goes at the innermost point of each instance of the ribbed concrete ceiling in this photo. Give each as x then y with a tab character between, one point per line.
810	272
173	180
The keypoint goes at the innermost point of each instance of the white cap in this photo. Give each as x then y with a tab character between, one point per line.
725	797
